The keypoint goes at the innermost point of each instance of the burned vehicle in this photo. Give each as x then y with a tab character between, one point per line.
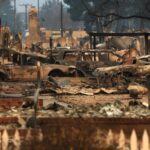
29	73
14	56
22	66
86	61
81	59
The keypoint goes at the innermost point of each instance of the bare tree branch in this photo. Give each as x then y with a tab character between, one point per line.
115	16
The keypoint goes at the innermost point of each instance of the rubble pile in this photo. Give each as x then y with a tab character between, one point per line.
115	109
105	71
63	110
57	79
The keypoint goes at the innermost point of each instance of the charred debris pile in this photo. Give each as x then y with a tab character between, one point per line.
117	66
83	75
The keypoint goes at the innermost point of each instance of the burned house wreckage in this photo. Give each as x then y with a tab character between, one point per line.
109	80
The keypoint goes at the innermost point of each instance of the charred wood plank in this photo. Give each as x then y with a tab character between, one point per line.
139	70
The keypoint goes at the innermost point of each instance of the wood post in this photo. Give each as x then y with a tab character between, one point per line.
94	42
91	46
38	74
146	44
148	86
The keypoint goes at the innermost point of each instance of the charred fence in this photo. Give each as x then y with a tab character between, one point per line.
40	139
64	134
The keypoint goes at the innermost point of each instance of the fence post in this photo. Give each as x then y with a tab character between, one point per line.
110	137
5	140
145	140
40	135
122	140
28	136
17	140
133	141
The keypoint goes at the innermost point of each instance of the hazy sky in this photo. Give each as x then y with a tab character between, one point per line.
33	2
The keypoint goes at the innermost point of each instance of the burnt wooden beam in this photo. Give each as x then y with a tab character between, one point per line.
146	44
94	42
91	42
94	56
145	35
139	70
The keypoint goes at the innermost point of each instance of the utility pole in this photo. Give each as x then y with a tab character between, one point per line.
14	15
61	19
38	3
26	14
